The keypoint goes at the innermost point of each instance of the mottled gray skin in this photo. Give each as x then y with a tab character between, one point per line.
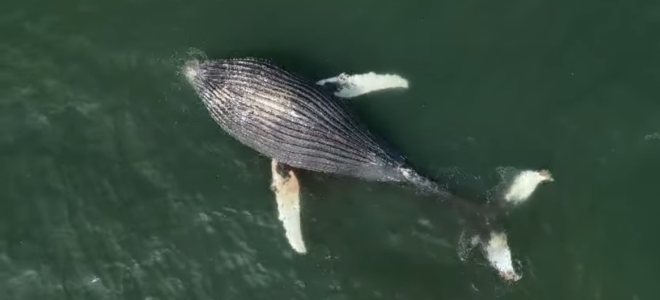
296	122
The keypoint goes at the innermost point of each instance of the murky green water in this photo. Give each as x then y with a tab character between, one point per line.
115	183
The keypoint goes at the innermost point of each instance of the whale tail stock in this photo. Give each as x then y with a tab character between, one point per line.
481	215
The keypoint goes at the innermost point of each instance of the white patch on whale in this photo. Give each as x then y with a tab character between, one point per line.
287	195
495	250
190	70
498	253
524	184
350	86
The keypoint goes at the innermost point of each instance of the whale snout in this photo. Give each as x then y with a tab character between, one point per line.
208	76
191	70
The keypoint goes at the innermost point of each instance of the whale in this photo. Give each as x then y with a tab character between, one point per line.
301	125
285	117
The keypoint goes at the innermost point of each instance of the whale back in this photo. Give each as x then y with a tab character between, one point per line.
290	119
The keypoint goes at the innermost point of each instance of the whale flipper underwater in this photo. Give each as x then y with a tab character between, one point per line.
298	124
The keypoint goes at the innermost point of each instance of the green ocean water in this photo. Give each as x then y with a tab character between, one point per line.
116	184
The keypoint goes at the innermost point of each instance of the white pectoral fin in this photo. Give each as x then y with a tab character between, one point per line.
350	86
287	194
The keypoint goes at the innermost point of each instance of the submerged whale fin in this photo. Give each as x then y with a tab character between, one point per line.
287	194
351	86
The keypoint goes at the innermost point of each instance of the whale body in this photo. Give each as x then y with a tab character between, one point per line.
288	118
298	124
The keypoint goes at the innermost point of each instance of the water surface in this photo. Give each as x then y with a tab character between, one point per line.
116	184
